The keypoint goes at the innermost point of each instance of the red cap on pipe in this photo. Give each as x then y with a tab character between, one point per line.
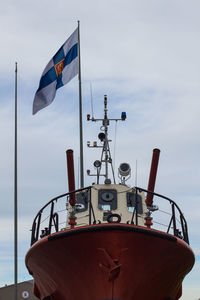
152	176
71	180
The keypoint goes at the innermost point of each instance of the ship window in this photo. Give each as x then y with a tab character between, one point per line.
107	199
82	202
104	207
131	202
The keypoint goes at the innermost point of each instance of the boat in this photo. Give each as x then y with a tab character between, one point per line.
109	240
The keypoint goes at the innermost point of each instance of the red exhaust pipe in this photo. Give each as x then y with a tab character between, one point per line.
152	176
71	180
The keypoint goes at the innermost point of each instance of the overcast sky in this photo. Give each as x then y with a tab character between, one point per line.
145	56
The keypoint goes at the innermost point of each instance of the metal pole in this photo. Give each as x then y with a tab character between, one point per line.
80	113
15	193
105	123
152	176
71	178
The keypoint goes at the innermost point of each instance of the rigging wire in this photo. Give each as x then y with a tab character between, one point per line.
115	137
167	213
91	98
58	211
160	224
136	169
78	171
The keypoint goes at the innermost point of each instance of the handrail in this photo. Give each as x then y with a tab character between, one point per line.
37	220
53	216
173	219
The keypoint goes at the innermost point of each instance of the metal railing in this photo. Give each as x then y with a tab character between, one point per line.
52	216
176	220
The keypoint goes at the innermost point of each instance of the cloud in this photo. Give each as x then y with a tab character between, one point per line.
7	229
145	56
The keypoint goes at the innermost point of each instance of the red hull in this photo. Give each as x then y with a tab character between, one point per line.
109	261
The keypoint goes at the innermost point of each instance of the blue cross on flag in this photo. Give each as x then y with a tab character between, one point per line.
59	71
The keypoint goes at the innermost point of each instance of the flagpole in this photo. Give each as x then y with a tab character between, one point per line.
80	112
15	194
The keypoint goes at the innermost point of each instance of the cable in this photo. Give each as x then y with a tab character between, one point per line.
115	143
91	100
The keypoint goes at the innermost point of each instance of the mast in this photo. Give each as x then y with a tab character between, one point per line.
80	112
106	158
15	195
105	146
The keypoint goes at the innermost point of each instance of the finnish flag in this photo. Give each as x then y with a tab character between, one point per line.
59	71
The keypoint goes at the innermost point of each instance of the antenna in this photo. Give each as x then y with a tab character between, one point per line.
136	167
115	143
78	171
103	137
91	97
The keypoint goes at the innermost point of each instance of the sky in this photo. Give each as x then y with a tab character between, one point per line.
145	56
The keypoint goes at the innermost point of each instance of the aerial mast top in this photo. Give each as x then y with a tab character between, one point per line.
103	136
